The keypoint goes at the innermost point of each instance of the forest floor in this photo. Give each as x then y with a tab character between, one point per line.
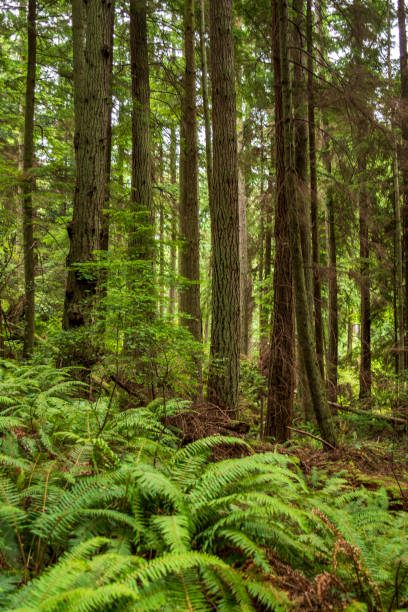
377	459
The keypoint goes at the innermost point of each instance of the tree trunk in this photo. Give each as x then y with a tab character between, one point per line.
223	378
266	239
300	163
404	151
303	315
173	221
189	258
299	95
92	95
398	269
317	293
282	353
28	183
244	284
208	144
141	233
365	311
332	324
103	277
206	106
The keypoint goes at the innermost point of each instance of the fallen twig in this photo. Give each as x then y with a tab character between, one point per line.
306	433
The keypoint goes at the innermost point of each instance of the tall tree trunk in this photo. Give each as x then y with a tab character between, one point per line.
208	144
103	279
317	293
223	378
265	252
303	315
299	95
141	239
404	151
300	163
173	221
244	282
205	95
398	268
365	309
28	183
332	324
92	92
282	354
243	262
189	258
79	15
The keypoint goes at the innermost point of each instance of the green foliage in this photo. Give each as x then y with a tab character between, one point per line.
99	510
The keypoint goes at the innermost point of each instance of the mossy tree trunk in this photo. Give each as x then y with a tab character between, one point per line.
91	96
314	204
303	314
282	351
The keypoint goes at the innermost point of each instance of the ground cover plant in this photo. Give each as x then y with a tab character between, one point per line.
103	509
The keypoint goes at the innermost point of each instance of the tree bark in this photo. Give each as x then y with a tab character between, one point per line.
332	323
266	251
404	152
103	277
282	353
206	106
398	269
365	309
303	315
189	258
28	183
173	221
314	204
299	96
91	140
141	233
244	281
223	378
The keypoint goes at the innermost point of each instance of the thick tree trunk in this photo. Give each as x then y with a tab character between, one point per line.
404	151
282	351
92	94
299	95
141	237
317	293
104	246
189	258
28	183
303	315
223	378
